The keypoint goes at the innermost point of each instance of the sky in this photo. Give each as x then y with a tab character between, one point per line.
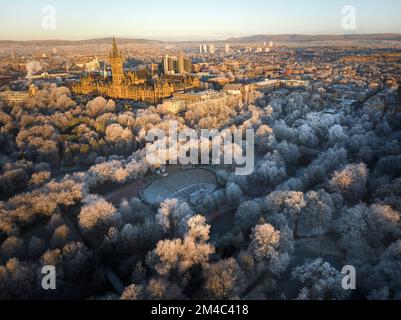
189	19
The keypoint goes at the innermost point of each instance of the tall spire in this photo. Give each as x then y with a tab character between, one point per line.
115	52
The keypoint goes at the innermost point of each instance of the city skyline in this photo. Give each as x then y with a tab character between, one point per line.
176	20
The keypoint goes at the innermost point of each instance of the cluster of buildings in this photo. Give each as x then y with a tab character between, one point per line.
140	85
181	100
180	64
162	74
271	85
227	48
17	97
207	48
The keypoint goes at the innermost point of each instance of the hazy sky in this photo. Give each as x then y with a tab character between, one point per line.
189	19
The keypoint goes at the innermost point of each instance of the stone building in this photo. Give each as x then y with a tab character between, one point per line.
139	85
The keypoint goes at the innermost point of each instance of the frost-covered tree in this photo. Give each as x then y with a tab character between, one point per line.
316	217
36	247
336	134
40	178
133	292
318	171
366	231
12	247
290	153
224	280
387	273
233	193
268	174
266	248
321	281
61	236
307	136
116	133
18	280
173	216
248	215
179	255
98	216
264	138
99	105
289	203
162	289
351	182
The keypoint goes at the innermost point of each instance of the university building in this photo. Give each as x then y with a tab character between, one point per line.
141	85
18	97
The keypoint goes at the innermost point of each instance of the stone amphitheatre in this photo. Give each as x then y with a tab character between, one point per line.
186	184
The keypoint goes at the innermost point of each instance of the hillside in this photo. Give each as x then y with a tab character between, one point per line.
303	37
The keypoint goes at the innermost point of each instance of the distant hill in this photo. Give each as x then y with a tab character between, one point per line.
254	38
76	42
303	37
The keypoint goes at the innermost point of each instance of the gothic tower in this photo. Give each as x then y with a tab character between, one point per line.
116	61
